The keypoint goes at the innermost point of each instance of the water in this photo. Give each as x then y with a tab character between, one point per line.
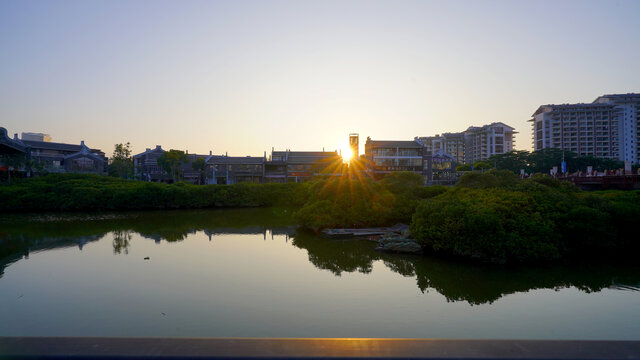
248	273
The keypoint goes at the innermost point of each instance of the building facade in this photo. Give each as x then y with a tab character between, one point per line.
606	128
227	170
630	126
477	143
301	166
452	144
384	157
485	141
388	156
146	168
54	157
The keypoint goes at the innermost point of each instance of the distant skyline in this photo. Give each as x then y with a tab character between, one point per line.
245	76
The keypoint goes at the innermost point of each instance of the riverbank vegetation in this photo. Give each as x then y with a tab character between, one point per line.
497	217
492	216
74	192
360	202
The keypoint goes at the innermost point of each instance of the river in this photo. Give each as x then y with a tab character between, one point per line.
251	273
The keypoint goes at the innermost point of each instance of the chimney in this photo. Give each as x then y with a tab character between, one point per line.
81	142
148	149
186	152
226	154
15	136
158	147
210	153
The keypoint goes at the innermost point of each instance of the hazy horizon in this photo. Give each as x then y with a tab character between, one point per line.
245	76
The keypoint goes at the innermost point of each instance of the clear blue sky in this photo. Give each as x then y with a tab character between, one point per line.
243	76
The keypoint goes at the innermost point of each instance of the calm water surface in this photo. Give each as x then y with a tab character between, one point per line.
248	273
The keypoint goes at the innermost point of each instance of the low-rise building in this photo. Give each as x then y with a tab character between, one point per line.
57	157
146	168
9	146
387	156
301	166
223	169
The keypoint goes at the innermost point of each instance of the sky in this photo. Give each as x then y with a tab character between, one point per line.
241	77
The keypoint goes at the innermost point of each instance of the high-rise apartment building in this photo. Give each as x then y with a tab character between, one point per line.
606	128
452	144
474	144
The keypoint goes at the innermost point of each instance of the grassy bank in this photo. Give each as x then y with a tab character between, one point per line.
68	192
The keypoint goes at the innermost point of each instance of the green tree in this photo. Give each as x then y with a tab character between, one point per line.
465	167
171	161
512	161
199	166
481	165
13	162
121	163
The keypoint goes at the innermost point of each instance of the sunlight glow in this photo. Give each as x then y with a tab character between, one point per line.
347	154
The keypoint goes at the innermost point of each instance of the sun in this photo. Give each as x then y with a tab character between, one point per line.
347	154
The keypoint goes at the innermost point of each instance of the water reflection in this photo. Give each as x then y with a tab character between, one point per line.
461	281
121	241
457	281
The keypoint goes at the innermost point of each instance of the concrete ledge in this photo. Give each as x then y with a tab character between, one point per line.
218	348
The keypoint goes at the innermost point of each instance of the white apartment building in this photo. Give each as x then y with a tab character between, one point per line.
606	128
452	144
474	144
630	127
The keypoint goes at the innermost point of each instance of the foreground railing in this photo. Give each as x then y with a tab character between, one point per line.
203	348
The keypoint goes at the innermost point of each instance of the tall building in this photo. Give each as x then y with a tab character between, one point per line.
354	144
606	128
474	144
630	128
485	141
452	144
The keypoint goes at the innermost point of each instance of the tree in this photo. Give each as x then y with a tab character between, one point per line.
200	166
513	160
13	162
121	163
171	161
481	165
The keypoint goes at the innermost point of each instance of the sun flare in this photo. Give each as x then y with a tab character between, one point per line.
347	154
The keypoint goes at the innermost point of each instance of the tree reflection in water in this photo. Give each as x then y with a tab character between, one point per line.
121	241
456	280
463	281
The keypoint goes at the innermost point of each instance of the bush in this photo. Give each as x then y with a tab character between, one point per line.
74	192
492	217
346	202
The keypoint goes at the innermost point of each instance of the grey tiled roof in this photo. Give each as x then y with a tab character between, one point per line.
55	146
